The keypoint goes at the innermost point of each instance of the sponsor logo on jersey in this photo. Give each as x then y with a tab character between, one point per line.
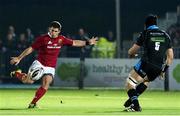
158	39
53	47
49	42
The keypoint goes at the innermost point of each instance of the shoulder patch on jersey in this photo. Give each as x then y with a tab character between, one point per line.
60	41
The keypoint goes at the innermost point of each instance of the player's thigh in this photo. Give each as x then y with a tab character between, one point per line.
133	80
136	76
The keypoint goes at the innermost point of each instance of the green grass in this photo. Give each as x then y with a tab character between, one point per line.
87	102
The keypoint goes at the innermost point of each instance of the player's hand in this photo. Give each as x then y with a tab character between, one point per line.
14	60
93	41
133	55
162	76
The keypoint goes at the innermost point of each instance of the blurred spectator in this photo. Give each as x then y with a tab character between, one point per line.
82	34
11	30
86	50
171	31
2	47
10	42
178	14
104	49
74	51
177	38
174	32
10	46
110	36
22	42
2	58
29	35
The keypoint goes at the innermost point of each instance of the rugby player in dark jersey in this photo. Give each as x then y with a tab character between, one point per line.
156	58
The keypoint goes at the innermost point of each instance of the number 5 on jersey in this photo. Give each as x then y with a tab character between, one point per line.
157	45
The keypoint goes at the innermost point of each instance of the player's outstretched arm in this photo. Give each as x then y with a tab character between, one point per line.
16	60
80	43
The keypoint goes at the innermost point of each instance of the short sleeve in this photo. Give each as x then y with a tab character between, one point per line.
67	41
140	39
169	45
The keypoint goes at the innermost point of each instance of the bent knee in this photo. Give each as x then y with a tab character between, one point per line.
47	78
46	81
131	82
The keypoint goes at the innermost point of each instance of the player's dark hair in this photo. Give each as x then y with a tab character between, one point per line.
150	20
55	24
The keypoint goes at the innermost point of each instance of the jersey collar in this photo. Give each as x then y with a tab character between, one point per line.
49	35
153	27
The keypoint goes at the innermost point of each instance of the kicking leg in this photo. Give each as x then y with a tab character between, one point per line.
21	76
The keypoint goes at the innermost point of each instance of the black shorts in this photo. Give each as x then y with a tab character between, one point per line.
147	69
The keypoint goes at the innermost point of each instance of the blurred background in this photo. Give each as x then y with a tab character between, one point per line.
115	22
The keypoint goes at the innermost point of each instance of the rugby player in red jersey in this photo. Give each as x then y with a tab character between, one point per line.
48	47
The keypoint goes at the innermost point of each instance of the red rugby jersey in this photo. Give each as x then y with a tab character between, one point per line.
48	48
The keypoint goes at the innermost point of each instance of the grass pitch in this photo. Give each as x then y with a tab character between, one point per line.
87	102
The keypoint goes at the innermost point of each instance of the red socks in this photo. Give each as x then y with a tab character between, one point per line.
39	93
19	75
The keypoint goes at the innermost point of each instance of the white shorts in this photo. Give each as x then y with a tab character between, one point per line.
46	70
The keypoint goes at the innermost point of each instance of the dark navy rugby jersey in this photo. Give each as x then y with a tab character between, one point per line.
155	43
